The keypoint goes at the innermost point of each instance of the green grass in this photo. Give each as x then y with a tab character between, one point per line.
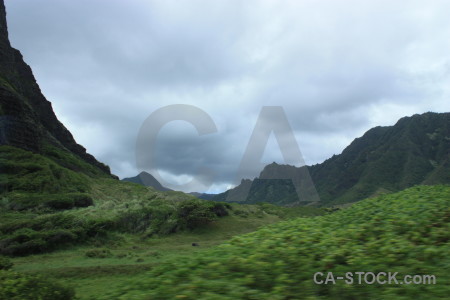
25	172
406	232
131	256
123	246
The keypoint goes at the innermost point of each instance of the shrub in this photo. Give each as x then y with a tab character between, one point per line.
5	263
82	200
195	213
20	286
59	202
98	253
220	209
20	201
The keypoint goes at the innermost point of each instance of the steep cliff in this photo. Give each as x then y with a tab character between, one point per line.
27	120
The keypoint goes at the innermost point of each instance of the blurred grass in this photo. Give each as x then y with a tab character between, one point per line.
406	232
131	256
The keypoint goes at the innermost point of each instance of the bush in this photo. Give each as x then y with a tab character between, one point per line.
18	286
220	209
20	201
82	200
25	241
59	202
195	213
98	253
5	263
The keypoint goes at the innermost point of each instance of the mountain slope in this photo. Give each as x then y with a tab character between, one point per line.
27	120
416	150
147	179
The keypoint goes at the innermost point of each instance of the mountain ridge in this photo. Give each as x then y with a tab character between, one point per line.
385	159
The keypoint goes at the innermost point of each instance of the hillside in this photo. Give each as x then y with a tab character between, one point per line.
416	150
407	232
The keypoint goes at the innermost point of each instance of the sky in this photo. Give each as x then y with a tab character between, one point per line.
337	69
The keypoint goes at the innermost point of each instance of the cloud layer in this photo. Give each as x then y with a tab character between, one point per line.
337	68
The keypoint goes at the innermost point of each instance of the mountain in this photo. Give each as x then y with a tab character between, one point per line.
27	120
40	161
204	196
416	150
147	179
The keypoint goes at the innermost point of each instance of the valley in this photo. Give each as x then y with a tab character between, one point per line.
70	229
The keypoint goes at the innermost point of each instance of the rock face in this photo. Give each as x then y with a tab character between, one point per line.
27	120
414	151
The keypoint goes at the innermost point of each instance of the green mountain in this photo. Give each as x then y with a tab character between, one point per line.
416	150
147	179
37	153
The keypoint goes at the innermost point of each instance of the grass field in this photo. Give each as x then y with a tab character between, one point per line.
130	256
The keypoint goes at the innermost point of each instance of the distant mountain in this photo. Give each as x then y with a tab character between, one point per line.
416	150
147	179
203	196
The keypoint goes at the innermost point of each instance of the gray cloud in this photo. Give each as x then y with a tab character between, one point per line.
337	67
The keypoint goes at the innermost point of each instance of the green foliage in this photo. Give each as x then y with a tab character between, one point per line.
291	212
98	253
195	213
18	286
69	161
28	241
407	232
25	172
19	201
5	263
48	231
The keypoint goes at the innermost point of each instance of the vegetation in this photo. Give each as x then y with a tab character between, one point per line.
19	286
407	232
102	264
67	228
46	232
26	172
5	263
45	206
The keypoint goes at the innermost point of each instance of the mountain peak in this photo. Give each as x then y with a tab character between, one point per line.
147	179
27	119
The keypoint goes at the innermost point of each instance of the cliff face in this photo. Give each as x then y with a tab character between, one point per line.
27	120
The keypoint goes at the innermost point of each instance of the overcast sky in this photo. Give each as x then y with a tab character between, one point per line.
337	68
